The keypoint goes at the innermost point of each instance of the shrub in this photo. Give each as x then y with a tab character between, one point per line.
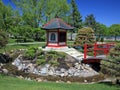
54	63
30	53
85	35
111	66
40	61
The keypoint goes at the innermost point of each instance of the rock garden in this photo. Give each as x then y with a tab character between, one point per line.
39	65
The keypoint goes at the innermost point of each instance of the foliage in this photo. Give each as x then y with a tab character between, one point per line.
75	15
101	29
39	35
85	35
90	21
114	30
112	65
50	57
30	53
3	39
5	17
53	8
41	60
36	12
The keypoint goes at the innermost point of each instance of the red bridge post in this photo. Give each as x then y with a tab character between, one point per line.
95	49
85	51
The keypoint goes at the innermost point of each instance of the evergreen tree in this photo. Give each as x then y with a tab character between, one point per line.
90	22
76	17
84	36
3	39
112	65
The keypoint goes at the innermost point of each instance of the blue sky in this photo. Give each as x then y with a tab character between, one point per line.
105	11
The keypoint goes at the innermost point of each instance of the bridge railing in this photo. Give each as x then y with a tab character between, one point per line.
98	47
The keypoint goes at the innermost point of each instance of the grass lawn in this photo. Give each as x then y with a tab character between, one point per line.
11	83
25	45
20	46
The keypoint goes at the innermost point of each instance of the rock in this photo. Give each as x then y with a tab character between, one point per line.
30	65
76	64
44	71
62	74
20	67
47	65
17	62
62	70
57	73
57	82
20	77
65	73
32	69
39	79
77	74
35	71
29	79
85	81
51	72
45	80
1	64
5	71
71	70
69	82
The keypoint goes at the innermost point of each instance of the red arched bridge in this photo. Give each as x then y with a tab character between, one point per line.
100	51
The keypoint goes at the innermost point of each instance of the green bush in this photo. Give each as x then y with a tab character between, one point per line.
30	53
54	63
40	61
111	66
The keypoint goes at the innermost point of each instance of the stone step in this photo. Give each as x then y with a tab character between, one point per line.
70	51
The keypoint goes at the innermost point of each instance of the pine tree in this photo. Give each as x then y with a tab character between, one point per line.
76	17
90	22
85	35
3	38
112	65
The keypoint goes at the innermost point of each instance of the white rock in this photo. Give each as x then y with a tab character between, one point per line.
44	70
20	67
69	82
20	77
85	81
62	70
47	65
5	71
62	74
65	73
51	72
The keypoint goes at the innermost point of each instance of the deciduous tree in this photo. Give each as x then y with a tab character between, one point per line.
114	30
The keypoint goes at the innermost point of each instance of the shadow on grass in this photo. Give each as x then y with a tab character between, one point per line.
110	84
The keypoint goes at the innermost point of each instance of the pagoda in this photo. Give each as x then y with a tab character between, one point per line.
56	30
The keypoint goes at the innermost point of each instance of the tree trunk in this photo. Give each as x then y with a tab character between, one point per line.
115	38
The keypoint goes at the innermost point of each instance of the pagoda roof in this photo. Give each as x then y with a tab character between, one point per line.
57	23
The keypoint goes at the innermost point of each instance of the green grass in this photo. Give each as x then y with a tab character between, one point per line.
11	83
25	45
20	46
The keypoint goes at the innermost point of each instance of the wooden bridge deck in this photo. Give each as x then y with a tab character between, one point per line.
92	59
